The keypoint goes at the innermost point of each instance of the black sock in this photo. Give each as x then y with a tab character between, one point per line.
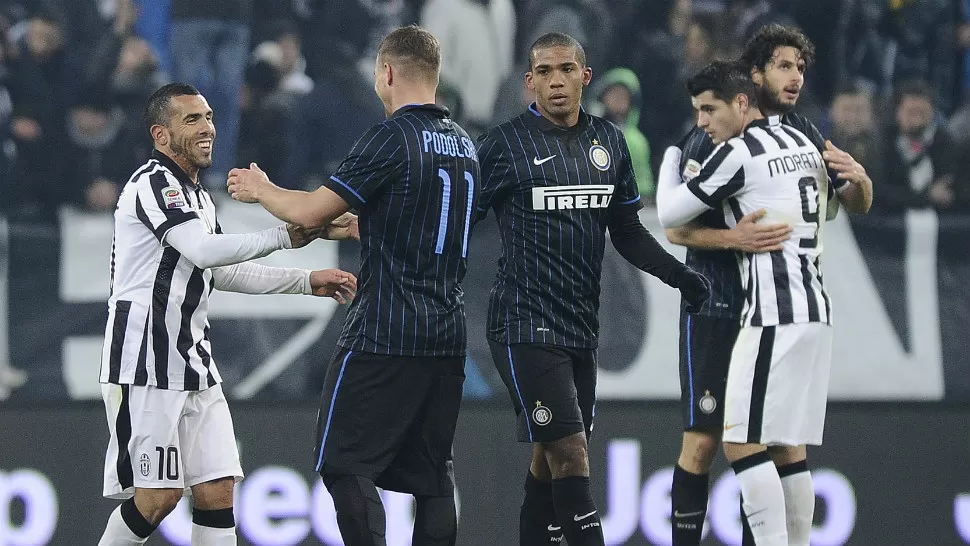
537	518
217	519
747	539
688	506
576	511
134	520
435	522
360	512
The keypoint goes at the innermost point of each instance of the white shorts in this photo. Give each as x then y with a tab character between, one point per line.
778	384
162	439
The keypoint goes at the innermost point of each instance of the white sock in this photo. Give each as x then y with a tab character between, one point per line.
117	532
799	504
213	536
764	499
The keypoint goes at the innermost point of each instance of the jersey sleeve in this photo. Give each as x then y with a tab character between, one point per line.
626	195
161	203
495	162
721	177
696	146
374	159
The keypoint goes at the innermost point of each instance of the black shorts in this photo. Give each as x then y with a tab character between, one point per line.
391	419
553	389
705	355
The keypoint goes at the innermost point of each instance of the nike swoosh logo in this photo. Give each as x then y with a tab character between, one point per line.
729	427
551	528
687	514
577	517
536	161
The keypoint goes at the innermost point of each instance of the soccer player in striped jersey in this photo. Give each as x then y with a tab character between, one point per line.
171	431
777	58
777	382
557	179
393	389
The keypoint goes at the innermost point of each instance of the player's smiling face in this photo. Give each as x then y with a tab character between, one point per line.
557	77
780	83
719	119
191	132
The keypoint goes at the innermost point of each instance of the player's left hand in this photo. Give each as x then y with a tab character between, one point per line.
343	227
843	163
694	288
334	283
246	184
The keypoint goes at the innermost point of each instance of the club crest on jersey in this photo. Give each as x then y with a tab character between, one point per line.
172	197
707	403
541	415
572	197
691	170
145	464
599	157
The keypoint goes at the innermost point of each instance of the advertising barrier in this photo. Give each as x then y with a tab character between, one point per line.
888	475
898	285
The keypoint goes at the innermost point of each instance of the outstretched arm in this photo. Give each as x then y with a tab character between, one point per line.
306	209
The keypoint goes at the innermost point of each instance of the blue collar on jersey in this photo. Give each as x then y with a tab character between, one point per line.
171	165
433	109
545	125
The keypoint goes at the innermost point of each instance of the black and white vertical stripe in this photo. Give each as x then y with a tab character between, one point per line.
781	287
415	200
548	284
157	326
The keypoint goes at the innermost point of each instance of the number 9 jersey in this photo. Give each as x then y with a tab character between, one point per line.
777	168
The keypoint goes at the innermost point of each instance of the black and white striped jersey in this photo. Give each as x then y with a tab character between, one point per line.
774	167
414	180
157	330
720	266
553	190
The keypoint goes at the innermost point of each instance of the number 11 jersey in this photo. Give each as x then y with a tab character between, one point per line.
413	181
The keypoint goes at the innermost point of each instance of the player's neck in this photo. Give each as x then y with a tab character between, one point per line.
404	97
753	115
189	170
565	121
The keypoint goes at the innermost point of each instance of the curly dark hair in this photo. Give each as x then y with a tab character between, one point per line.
760	49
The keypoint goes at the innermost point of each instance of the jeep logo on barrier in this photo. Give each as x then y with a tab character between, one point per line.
38	497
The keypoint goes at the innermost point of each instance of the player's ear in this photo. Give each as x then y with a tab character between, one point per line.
757	76
587	75
529	83
160	134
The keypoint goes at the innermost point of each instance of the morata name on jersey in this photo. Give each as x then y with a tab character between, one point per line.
794	162
572	197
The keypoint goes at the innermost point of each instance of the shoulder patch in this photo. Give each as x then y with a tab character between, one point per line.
172	197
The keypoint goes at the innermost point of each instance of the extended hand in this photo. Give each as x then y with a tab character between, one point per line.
694	288
246	184
343	227
749	236
843	163
334	283
301	236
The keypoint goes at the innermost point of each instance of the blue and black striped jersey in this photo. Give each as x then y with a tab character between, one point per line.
553	190
414	180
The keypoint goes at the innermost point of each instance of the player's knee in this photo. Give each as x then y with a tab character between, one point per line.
700	448
568	456
155	504
213	495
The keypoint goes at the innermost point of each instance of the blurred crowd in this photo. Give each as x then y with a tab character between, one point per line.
290	82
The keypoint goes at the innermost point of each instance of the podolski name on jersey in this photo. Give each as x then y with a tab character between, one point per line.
572	197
